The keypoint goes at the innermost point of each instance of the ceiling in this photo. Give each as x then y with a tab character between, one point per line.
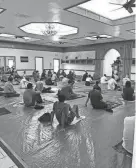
18	13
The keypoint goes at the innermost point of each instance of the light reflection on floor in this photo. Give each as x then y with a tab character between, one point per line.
87	144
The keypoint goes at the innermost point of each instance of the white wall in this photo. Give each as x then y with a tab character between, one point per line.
47	57
79	55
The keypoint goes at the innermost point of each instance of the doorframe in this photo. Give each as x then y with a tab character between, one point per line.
53	62
42	62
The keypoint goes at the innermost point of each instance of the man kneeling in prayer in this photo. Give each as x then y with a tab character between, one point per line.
67	91
63	112
96	100
9	89
31	97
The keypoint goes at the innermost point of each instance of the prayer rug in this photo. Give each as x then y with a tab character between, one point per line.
119	148
46	102
4	111
114	104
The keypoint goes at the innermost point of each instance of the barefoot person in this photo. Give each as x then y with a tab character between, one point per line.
63	112
96	100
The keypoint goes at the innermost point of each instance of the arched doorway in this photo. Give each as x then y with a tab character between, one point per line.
109	59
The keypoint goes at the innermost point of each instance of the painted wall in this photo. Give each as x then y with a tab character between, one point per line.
79	68
47	57
123	47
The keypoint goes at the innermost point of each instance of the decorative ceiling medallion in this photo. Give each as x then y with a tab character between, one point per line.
49	29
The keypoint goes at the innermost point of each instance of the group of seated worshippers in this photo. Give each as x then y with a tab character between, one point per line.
111	84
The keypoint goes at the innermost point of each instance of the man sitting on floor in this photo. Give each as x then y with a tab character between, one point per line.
41	88
9	89
68	92
128	92
54	78
31	97
85	76
1	89
88	81
96	100
96	86
104	82
125	80
63	112
24	82
112	84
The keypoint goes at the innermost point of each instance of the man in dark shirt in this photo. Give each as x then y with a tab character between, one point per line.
128	92
85	76
96	100
67	91
96	86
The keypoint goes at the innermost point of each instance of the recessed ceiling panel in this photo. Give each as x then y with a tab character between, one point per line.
49	29
111	9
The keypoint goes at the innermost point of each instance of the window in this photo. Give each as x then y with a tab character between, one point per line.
10	63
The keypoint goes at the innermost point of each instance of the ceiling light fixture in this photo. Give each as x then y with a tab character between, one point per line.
96	37
7	35
50	29
2	10
90	38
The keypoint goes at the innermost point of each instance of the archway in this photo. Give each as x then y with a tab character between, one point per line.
109	59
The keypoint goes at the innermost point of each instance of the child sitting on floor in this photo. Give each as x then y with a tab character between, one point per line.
9	89
63	112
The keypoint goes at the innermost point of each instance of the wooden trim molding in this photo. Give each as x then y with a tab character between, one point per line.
16	159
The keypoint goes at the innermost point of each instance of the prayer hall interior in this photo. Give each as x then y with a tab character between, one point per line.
67	84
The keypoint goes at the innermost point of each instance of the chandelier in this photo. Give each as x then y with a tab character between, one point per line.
50	30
